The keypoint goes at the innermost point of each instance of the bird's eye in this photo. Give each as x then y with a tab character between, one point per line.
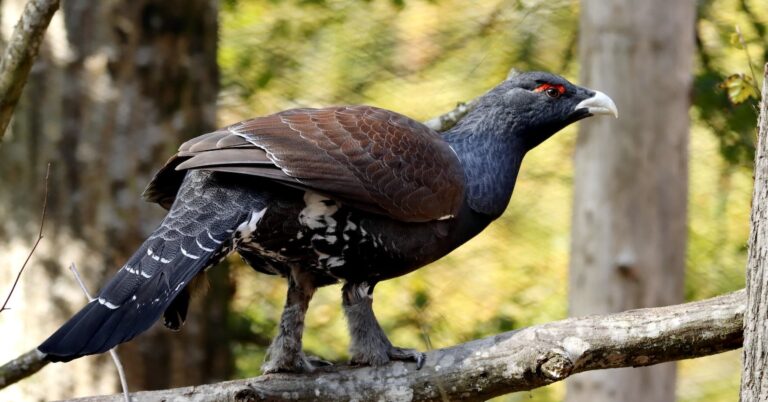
553	91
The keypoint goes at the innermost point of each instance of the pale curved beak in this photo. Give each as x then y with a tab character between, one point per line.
599	103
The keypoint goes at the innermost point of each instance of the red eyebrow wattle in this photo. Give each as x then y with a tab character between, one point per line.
544	87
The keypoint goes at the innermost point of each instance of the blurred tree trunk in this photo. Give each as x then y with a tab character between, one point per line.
631	178
118	86
754	381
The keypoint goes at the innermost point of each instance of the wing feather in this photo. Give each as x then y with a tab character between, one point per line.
370	158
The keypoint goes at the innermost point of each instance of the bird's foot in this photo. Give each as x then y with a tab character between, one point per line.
369	344
383	356
296	363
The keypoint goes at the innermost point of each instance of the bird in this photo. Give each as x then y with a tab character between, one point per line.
353	195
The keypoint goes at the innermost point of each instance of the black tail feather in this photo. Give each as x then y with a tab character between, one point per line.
195	234
176	313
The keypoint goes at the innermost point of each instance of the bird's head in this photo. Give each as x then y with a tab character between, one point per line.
535	105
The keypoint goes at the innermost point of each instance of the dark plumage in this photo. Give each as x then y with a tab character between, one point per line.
351	194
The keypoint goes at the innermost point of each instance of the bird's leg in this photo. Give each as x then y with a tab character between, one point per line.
368	343
285	353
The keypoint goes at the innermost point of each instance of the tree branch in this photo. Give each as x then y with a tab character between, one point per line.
21	367
447	120
20	54
509	362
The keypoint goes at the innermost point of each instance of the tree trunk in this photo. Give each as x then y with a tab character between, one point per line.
754	381
118	86
629	219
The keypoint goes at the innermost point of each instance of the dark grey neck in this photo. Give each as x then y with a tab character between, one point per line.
491	159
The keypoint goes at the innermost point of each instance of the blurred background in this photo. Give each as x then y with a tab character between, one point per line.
120	83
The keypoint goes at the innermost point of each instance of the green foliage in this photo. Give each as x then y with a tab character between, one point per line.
740	88
725	96
732	124
421	58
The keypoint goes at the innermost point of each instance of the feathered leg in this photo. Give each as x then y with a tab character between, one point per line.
285	353
369	345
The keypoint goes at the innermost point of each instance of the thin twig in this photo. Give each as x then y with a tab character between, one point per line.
120	373
34	247
80	282
749	58
112	352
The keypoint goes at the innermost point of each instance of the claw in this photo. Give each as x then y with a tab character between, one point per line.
317	361
420	359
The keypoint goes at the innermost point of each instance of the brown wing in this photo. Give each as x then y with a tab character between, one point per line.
371	158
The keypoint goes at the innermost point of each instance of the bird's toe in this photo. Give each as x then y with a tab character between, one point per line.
409	355
373	357
370	357
292	364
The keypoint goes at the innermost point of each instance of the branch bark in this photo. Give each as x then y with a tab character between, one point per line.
510	362
447	120
21	367
20	54
754	381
